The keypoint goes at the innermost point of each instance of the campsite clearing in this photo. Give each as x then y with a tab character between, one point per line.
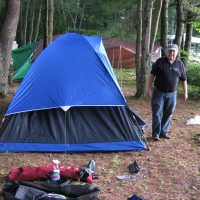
171	170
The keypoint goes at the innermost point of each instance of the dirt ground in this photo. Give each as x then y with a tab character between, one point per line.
171	170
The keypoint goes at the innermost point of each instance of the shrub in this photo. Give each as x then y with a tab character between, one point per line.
193	76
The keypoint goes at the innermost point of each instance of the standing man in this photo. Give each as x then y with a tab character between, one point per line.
166	73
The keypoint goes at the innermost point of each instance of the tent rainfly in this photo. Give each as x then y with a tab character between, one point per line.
70	101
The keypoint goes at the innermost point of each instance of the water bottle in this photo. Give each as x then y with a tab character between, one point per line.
55	175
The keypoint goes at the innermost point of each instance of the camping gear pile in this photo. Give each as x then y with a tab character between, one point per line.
28	183
26	190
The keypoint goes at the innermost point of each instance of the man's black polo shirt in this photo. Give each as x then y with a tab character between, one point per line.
167	75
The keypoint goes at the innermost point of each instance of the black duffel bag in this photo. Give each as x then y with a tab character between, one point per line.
27	190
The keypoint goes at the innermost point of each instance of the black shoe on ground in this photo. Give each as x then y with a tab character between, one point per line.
156	139
165	136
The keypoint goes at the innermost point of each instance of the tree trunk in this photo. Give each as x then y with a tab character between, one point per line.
64	15
180	23
138	47
25	23
37	25
7	35
154	24
164	26
188	38
82	16
70	11
48	22
145	47
32	22
189	30
46	16
21	38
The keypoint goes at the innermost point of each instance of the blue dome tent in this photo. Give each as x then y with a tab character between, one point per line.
70	101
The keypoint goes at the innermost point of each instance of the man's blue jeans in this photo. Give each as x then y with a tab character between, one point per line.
163	105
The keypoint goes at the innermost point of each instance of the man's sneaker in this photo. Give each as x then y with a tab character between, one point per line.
156	139
165	136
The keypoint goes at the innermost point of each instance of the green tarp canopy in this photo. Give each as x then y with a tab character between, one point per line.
21	72
22	60
23	55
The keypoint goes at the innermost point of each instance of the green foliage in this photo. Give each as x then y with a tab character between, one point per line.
193	75
184	56
107	18
1	5
196	25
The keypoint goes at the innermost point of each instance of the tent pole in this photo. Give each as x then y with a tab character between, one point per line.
65	132
2	122
120	66
113	57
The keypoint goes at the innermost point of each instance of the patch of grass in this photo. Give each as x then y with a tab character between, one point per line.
6	154
110	172
125	77
144	184
193	91
196	139
116	162
182	164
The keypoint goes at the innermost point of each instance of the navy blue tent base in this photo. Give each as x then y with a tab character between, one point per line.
79	129
73	148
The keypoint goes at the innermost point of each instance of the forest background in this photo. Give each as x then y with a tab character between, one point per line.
144	22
